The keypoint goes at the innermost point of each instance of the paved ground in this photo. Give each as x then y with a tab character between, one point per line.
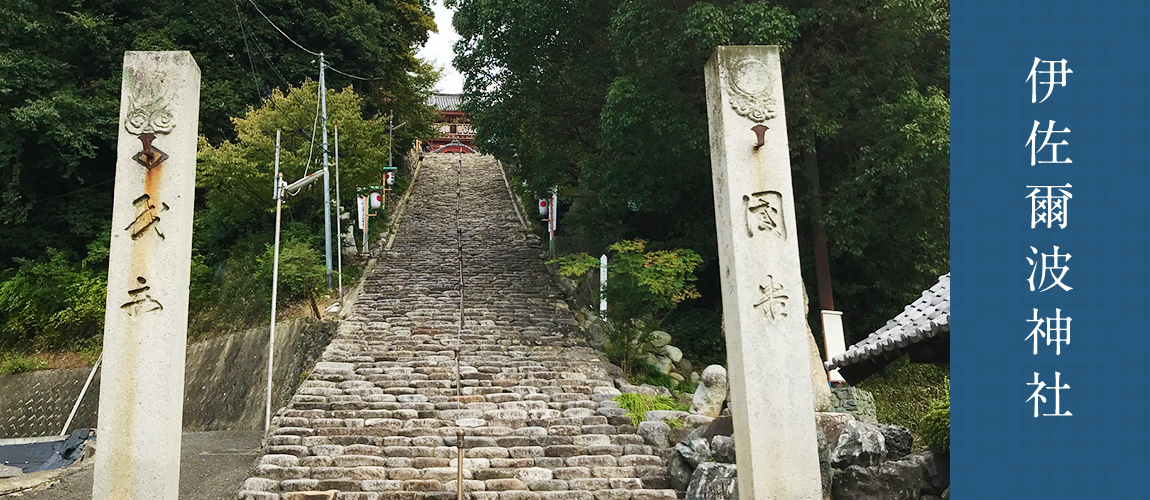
212	467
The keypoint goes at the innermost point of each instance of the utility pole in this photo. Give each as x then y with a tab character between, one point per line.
338	218
326	183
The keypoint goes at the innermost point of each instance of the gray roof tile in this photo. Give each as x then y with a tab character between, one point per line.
921	320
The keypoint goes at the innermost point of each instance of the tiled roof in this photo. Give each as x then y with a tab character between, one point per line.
444	102
923	319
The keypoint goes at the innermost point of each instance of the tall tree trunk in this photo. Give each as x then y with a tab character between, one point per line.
818	233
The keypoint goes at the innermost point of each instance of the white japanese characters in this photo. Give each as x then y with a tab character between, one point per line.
1049	207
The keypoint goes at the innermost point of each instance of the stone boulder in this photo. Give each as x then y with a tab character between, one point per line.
713	481
679	470
832	425
826	472
695	450
711	393
898	441
9	471
723	449
820	385
655	433
860	443
660	338
894	480
936	474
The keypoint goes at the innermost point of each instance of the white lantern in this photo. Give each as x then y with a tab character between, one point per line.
389	179
376	200
543	207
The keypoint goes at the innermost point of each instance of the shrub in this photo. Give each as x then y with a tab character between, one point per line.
642	287
903	391
934	426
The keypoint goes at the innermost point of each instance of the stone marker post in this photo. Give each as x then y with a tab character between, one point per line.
767	351
146	321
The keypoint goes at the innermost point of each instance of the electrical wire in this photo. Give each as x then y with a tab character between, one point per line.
301	47
351	75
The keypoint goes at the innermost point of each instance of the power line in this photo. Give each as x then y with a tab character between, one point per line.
352	76
301	47
279	30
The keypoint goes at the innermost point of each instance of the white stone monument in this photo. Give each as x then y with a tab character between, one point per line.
146	322
767	350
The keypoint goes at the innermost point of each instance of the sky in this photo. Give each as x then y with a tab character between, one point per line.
438	50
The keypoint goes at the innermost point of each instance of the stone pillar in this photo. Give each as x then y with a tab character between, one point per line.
767	350
146	321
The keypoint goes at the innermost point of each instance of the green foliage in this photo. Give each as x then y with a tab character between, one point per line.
301	271
50	303
637	405
59	111
60	77
903	391
620	125
698	333
642	287
18	363
934	426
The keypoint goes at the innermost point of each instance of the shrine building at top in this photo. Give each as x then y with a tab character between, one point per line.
455	132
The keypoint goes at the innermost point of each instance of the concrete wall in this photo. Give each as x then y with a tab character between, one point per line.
224	383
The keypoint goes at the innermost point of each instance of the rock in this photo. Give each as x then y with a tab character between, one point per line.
819	384
679	470
832	424
898	441
936	475
660	338
655	433
692	420
895	480
711	393
695	450
665	415
676	377
723	449
663	363
720	426
685	366
946	494
860	444
673	353
713	481
826	472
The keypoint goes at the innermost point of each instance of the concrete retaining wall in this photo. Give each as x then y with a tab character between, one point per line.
224	383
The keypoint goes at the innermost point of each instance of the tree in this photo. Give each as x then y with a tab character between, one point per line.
237	176
605	100
60	64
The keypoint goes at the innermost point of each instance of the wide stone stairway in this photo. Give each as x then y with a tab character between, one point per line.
378	418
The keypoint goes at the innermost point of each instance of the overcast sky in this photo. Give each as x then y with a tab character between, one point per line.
438	50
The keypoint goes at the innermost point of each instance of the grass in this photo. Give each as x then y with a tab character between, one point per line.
12	362
637	405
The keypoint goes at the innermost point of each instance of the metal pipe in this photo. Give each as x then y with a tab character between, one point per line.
68	423
338	219
275	281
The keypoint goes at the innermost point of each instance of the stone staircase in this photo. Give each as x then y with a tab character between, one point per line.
379	417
